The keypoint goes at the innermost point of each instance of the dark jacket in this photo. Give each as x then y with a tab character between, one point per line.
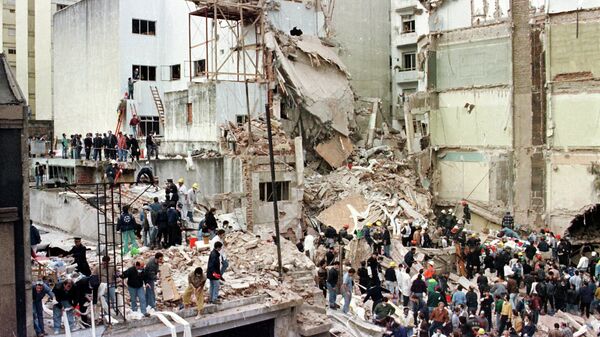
126	222
471	299
210	221
409	259
98	142
418	286
171	194
333	276
390	274
61	294
151	269
135	278
375	293
88	142
34	235
78	253
40	296
387	238
172	217
213	271
586	294
162	220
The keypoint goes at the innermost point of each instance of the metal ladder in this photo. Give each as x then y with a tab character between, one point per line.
108	209
159	104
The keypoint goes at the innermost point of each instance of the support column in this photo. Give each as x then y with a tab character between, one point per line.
43	59
522	113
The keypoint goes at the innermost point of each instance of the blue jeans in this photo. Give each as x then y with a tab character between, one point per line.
214	290
57	315
347	298
122	154
387	250
64	152
137	294
111	296
38	317
331	291
97	154
224	265
38	181
150	295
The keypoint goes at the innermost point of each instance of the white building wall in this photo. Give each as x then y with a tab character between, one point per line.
86	67
43	59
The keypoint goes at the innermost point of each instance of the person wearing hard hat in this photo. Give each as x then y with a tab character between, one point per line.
190	201
182	194
391	282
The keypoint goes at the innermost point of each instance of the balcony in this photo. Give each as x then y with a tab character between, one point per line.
405	39
407	76
403	4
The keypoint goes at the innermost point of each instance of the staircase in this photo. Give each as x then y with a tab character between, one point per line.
158	102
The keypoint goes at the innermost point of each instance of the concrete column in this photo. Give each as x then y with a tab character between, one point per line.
410	128
22	45
522	112
43	59
2	25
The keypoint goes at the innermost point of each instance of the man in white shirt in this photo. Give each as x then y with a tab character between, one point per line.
181	193
190	201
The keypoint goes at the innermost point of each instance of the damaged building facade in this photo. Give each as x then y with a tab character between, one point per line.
509	86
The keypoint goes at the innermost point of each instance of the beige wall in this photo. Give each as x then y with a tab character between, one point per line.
459	178
489	123
576	120
569	54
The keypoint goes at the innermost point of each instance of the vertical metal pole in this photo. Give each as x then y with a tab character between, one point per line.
274	191
249	116
216	43
207	42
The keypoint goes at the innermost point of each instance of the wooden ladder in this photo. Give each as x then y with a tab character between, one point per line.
158	102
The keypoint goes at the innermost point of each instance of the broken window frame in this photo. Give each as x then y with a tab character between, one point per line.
12	51
147	73
199	67
413	61
149	123
282	188
143	27
190	114
408	24
241	120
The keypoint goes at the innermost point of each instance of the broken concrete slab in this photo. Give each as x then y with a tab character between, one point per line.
340	213
335	151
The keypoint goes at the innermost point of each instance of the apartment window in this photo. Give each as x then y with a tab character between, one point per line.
12	51
143	73
190	115
199	67
11	32
11	10
241	119
61	6
408	24
282	188
143	27
409	61
175	72
149	125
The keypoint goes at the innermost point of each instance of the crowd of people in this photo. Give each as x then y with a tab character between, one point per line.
120	146
157	226
511	281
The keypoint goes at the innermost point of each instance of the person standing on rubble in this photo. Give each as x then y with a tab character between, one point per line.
363	277
171	194
162	222
39	290
173	219
190	201
122	147
105	272
409	258
78	252
135	148
136	282
332	281
406	232
126	225
152	269
387	242
97	146
64	301
391	282
196	282
347	289
466	212
181	195
87	144
147	225
213	271
211	222
151	146
220	237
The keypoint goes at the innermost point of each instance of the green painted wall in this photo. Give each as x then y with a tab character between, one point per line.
488	124
569	53
576	120
473	64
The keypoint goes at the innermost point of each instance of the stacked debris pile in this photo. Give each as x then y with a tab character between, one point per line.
238	140
204	154
374	187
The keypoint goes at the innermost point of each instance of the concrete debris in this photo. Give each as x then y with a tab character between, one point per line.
237	136
335	151
321	88
204	153
390	187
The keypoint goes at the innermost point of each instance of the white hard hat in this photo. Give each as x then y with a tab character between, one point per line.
443	211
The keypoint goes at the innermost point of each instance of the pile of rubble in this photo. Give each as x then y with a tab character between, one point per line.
238	142
375	186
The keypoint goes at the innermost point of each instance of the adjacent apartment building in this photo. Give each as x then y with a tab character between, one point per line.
509	92
26	40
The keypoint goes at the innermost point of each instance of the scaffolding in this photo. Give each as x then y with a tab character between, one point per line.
107	201
240	18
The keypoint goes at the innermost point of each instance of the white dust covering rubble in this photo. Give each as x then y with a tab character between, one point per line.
376	187
282	144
